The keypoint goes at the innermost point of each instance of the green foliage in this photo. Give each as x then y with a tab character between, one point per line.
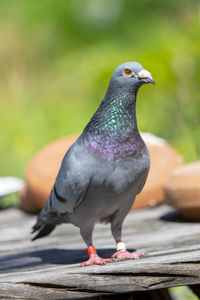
9	200
57	57
182	293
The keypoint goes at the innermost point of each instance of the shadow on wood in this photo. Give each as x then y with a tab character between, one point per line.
175	216
48	256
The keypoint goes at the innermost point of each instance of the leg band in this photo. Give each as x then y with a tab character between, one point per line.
121	246
91	250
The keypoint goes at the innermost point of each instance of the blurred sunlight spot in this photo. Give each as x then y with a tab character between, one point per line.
97	13
15	82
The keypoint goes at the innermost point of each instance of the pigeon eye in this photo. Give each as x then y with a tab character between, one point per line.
127	72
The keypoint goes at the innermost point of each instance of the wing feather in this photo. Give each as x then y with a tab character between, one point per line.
72	181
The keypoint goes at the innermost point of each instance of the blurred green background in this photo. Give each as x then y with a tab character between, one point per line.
56	59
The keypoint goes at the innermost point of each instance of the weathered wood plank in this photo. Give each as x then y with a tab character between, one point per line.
53	263
27	291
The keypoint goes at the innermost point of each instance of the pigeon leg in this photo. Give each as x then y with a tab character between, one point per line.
122	253
94	258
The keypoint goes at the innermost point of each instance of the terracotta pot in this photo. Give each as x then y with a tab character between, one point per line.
41	173
163	160
43	167
182	190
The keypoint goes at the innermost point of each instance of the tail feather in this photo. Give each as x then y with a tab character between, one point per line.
36	227
43	230
46	222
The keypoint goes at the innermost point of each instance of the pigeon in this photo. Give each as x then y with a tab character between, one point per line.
104	170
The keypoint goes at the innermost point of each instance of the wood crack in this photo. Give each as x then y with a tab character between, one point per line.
161	281
150	274
187	262
64	287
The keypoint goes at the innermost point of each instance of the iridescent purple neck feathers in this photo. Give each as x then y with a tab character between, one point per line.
112	149
112	131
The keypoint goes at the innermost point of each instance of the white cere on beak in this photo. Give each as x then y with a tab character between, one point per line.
144	74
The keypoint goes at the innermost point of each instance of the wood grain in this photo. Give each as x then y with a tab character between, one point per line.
50	268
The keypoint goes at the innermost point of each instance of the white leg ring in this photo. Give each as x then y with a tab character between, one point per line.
121	246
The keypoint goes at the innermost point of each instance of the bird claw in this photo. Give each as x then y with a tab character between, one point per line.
124	254
96	260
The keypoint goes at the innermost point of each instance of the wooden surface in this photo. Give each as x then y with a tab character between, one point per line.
49	268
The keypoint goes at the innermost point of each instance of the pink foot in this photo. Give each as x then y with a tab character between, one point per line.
124	254
96	260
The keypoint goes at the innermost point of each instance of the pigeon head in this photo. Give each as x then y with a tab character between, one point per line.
130	76
113	128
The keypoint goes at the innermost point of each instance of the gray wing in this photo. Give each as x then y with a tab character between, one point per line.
72	181
145	172
142	181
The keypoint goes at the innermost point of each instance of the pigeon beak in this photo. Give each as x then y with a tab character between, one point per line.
145	76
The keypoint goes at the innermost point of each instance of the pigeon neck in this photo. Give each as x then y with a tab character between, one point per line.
113	128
